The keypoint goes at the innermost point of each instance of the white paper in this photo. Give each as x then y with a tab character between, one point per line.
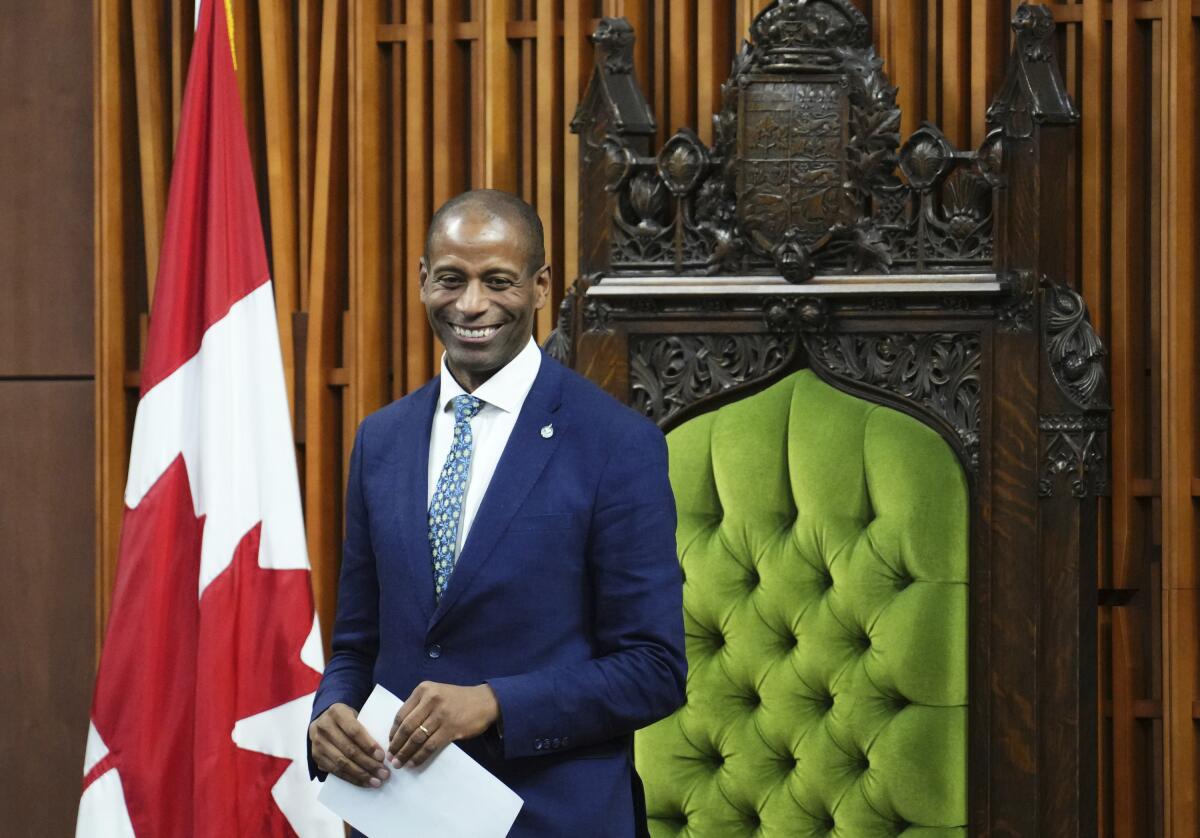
450	795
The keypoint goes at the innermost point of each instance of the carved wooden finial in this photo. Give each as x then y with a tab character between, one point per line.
613	40
613	99
1033	92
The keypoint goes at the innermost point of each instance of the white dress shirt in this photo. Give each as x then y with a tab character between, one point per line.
502	396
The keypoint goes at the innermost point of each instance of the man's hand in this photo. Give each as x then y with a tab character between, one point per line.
436	715
342	747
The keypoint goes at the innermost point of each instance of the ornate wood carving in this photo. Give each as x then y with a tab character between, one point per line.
935	373
1075	351
1074	455
561	340
798	314
1017	315
804	174
669	373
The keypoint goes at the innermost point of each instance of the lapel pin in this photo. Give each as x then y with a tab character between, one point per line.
547	431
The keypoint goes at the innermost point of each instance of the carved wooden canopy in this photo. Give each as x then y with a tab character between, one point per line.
917	275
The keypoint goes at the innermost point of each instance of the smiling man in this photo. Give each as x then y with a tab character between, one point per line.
509	564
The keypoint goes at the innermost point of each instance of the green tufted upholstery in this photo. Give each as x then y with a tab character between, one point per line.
824	546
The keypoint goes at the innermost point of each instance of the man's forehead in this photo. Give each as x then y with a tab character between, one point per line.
474	225
477	233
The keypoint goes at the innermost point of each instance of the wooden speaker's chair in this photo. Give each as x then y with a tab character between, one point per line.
884	406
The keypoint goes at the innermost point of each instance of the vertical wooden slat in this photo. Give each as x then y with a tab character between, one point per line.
279	98
931	61
681	57
478	91
308	59
1092	201
398	252
659	92
449	137
148	49
368	298
247	56
419	359
955	78
112	415
1120	337
989	47
322	452
549	146
577	63
528	106
449	144
639	15
1180	572
716	43
499	120
905	40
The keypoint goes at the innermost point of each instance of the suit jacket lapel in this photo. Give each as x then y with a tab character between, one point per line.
524	458
414	489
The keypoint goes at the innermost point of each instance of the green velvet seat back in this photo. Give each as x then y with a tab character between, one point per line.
824	544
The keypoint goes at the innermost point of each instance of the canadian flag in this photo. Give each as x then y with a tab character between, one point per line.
213	652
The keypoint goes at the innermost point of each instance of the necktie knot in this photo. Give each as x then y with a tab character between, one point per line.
466	407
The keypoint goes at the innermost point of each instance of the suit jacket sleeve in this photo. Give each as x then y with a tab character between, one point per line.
349	674
638	674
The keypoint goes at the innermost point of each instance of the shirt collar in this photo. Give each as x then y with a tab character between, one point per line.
508	386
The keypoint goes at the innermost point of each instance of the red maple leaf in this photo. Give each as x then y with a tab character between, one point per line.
178	672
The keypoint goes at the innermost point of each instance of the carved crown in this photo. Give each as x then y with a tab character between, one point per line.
806	34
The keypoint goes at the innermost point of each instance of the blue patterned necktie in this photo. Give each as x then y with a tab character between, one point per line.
445	510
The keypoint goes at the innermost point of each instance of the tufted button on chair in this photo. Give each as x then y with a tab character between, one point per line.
824	542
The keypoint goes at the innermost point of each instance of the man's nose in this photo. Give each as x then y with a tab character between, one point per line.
472	302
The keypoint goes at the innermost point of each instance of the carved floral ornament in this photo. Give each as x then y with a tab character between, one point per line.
1075	350
670	373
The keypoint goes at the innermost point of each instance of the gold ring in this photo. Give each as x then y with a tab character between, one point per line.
424	730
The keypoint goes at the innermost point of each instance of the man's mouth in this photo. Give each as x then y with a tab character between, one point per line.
481	333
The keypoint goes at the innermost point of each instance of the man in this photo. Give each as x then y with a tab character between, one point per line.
509	563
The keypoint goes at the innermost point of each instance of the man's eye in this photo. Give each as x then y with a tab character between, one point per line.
499	283
448	279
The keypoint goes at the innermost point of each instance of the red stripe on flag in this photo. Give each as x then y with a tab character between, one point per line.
99	770
213	252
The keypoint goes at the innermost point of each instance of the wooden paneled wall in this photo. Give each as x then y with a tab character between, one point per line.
46	418
366	114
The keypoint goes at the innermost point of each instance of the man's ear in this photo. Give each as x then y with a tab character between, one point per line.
422	275
542	280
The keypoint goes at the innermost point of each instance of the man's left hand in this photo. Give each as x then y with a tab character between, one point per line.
436	715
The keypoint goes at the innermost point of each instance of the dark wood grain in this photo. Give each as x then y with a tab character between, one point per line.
47	538
46	168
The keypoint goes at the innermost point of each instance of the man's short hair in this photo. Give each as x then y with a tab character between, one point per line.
497	204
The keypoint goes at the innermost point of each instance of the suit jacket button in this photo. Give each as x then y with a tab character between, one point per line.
537	744
557	743
433	650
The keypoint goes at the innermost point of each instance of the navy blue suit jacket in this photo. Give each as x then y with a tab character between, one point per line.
566	597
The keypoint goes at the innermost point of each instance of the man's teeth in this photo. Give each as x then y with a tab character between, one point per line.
474	333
